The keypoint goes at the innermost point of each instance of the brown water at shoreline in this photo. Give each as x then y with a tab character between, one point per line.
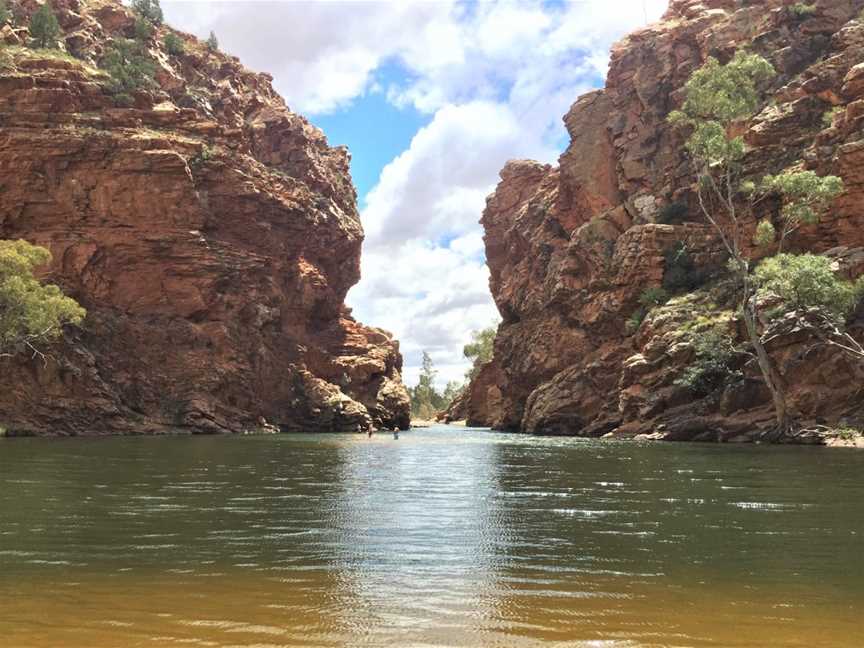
443	538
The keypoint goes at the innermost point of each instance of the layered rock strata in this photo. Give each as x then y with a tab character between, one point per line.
570	248
211	233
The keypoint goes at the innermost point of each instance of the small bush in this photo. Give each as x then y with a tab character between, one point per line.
143	29
829	116
680	272
213	42
635	321
673	214
713	365
44	28
847	433
174	44
648	300
149	10
802	10
765	233
204	155
652	297
129	67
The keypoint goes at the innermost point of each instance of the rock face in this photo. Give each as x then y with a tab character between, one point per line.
211	233
571	248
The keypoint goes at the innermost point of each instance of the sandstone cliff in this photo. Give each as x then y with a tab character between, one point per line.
211	233
570	248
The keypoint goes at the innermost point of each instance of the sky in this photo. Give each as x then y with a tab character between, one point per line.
432	98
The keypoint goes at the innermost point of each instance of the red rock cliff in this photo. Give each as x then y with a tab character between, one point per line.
570	248
211	233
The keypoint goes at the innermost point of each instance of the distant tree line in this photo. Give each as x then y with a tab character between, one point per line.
426	399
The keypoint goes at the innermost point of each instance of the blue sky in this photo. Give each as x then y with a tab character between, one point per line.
432	98
373	129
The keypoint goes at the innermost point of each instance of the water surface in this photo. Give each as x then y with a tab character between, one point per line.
446	537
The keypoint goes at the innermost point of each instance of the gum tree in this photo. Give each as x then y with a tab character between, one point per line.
480	350
719	101
805	196
811	291
31	314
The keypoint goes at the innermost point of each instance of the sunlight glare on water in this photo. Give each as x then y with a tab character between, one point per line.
446	537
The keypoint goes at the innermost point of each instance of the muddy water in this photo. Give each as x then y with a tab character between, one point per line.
445	537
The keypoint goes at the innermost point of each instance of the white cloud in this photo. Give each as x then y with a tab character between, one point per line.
495	78
438	186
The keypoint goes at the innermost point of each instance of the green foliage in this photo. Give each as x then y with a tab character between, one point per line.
808	281
805	196
480	349
802	10
425	399
5	14
44	28
680	272
673	214
830	115
765	234
648	300
30	312
129	67
717	96
713	365
204	155
635	321
148	10
847	433
652	297
451	392
143	29
174	44
212	42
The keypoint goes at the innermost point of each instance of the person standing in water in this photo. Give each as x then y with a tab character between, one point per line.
396	434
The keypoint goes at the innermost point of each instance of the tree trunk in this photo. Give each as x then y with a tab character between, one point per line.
770	374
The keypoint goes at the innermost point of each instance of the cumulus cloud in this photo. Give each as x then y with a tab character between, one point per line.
322	55
494	78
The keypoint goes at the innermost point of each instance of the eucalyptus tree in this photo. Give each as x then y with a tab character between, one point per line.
719	100
31	313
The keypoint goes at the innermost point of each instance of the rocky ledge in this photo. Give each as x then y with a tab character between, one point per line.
211	233
572	247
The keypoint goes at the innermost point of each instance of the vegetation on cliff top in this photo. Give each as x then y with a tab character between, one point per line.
44	28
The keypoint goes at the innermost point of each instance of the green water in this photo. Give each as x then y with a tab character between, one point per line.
446	537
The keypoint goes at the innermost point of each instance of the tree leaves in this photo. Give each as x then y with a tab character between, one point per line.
29	311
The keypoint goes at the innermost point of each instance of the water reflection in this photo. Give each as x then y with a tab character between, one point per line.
419	534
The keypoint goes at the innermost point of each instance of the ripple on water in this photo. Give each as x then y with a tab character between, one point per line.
445	538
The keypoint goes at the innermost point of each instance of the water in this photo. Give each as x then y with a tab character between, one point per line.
445	537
